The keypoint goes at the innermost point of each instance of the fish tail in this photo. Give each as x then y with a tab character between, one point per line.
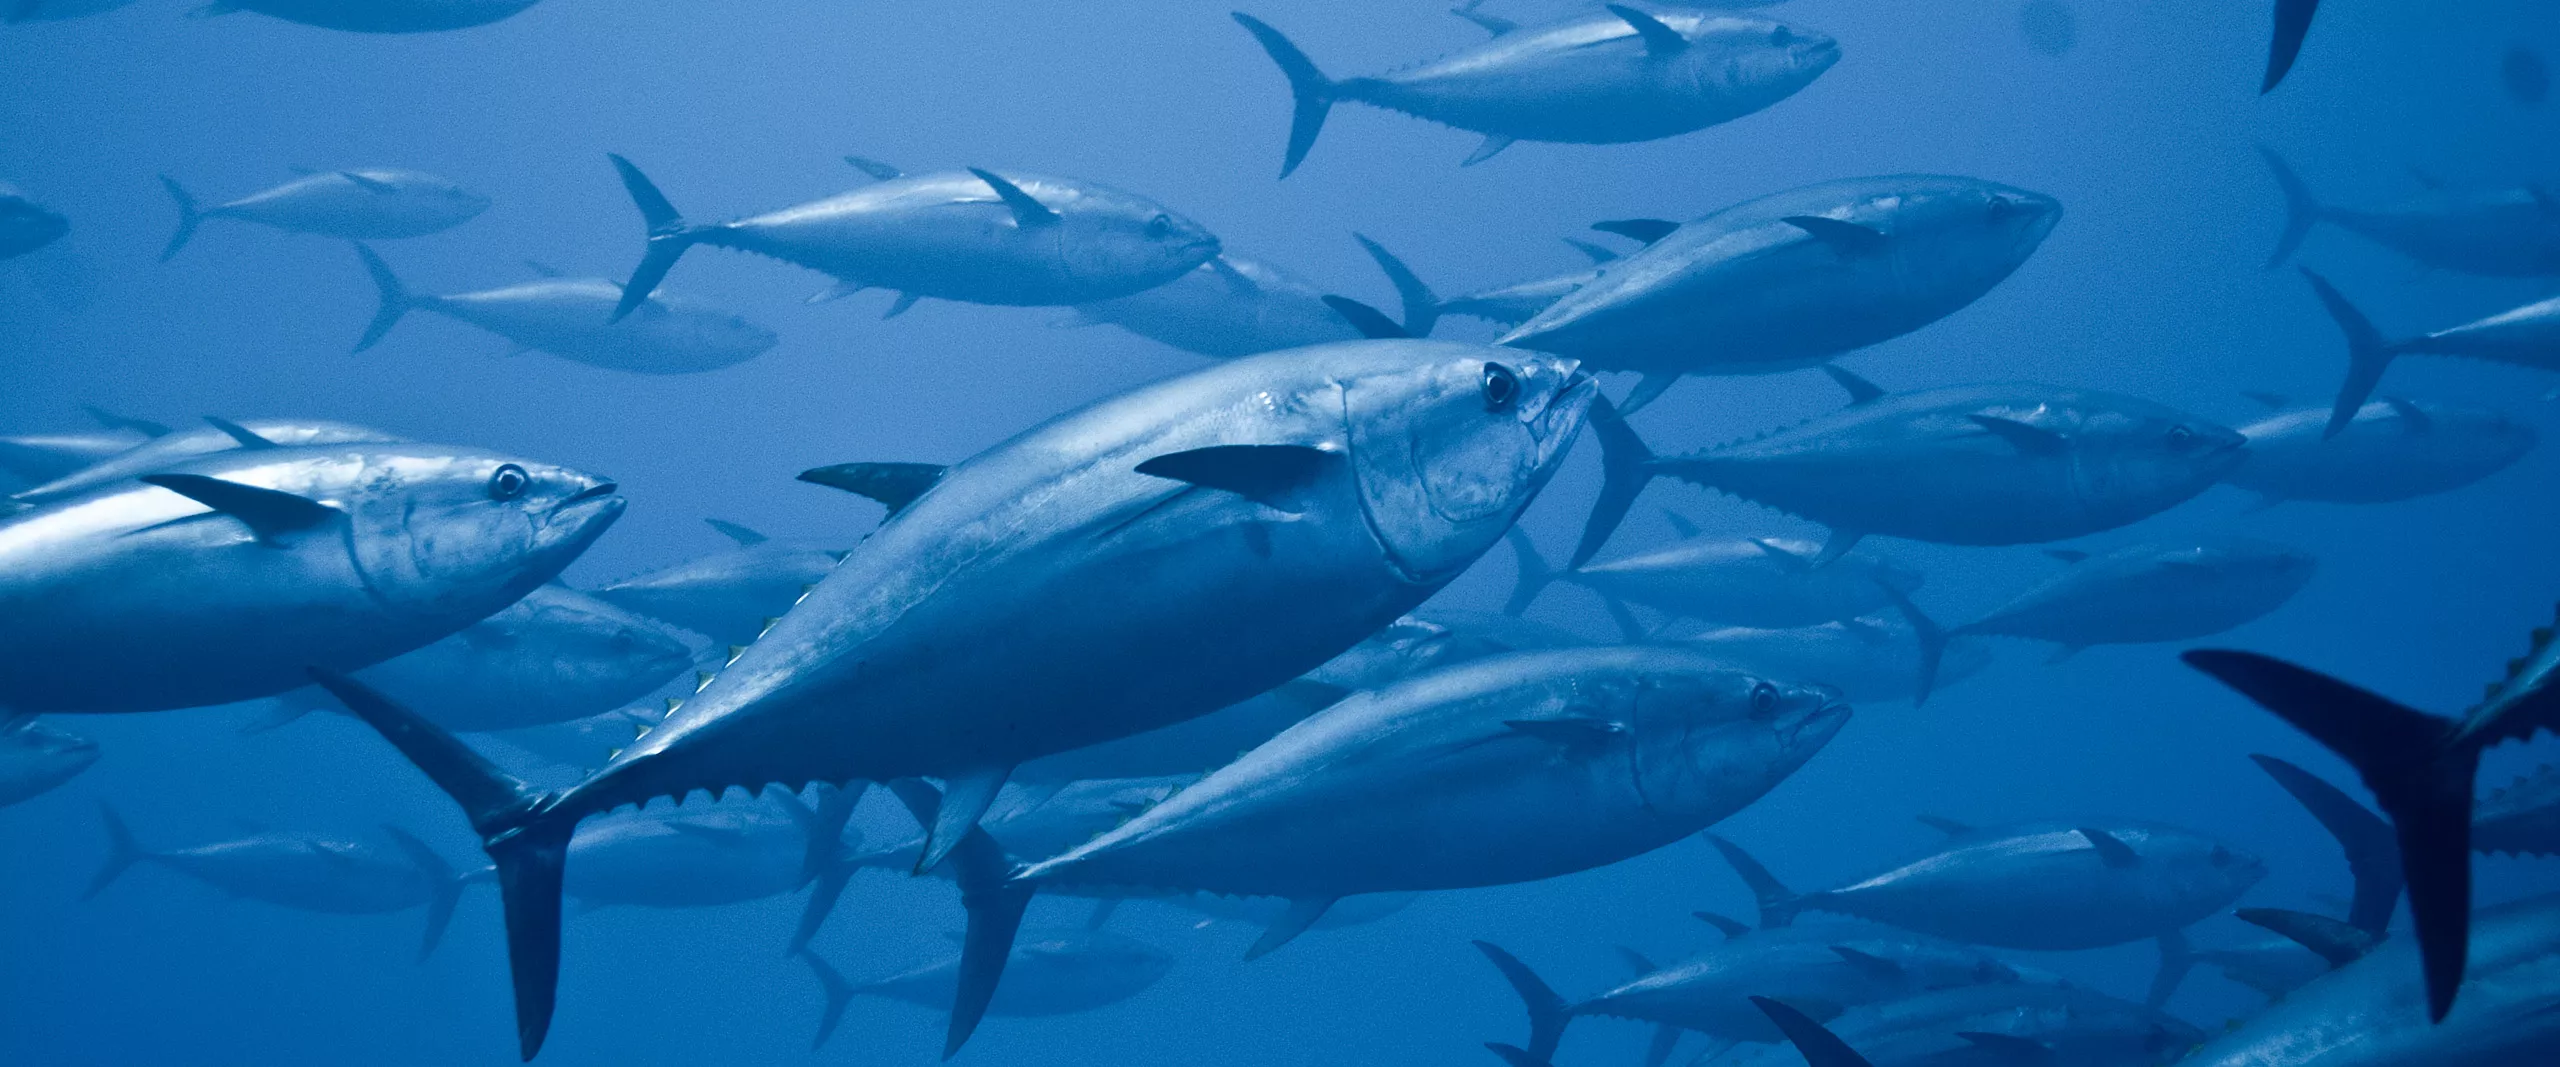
669	236
2177	958
2368	353
2302	210
122	852
1535	574
1626	464
2373	856
1548	1013
395	297
525	835
828	864
188	217
1313	92
839	994
1926	633
2419	767
994	903
1421	306
1779	905
1821	1047
2293	23
444	886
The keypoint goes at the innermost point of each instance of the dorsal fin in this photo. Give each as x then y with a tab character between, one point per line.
371	185
1371	322
248	439
1493	24
1730	927
1945	825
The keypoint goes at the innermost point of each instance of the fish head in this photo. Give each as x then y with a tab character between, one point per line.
1114	236
1451	445
439	529
1703	729
2137	451
1761	56
1975	231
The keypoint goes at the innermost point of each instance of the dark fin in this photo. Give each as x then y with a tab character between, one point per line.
1102	912
2111	852
1860	390
1028	211
2029	440
270	514
1271	475
2412	418
188	217
1845	238
827	864
2009	1047
1600	257
2270	401
243	436
2068	555
1492	146
1625	466
1625	617
1534	574
1493	24
834	292
1514	1055
1371	322
1820	1046
2373	855
1781	556
1548	1013
1731	928
745	537
1778	904
1421	305
448	885
2338	943
122	852
904	303
995	906
113	421
530	844
1873	966
1292	921
1573	731
1645	230
2417	770
1659	39
879	171
1680	524
1945	825
965	800
1927	634
894	485
2293	22
1236	280
1637	964
2368	353
395	298
1308	87
1837	544
839	994
1648	389
669	236
1666	1040
286	709
2177	958
376	186
2302	211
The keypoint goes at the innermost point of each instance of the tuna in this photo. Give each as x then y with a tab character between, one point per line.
1764	582
229	577
2504	233
1234	306
2527	337
974	236
2391	449
1869	659
2149	593
730	596
173	448
1053	972
566	317
718	854
1614	77
356	205
24	224
1984	1024
1149	558
1793	279
35	758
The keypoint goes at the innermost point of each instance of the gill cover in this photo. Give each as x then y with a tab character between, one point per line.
1449	449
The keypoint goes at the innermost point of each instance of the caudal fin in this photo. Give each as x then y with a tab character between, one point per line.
527	840
444	886
1421	305
669	236
829	864
1625	466
2373	854
1534	574
1312	90
2293	23
1779	905
1548	1013
122	852
2368	353
2418	769
395	297
1927	634
2177	959
1821	1047
2302	210
839	994
188	217
995	905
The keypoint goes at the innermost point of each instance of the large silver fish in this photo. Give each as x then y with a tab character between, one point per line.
974	236
1793	279
379	16
358	205
1229	306
1762	582
1052	972
172	448
2494	232
2527	337
728	596
2147	593
229	577
2391	449
35	758
566	317
1613	77
26	225
1148	558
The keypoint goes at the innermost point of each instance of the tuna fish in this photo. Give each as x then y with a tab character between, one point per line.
2392	449
728	596
1794	279
357	205
229	577
2522	818
34	758
2528	337
1763	582
566	317
1983	1024
306	872
1613	77
1233	306
721	853
1869	659
2495	232
974	236
1052	972
379	16
2148	593
173	448
1964	465
24	224
1150	558
2047	887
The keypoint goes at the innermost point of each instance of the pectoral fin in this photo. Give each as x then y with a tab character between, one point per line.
1846	238
2029	440
1570	731
1645	230
370	185
270	514
248	438
1493	145
2112	852
1027	210
1300	915
965	799
1271	475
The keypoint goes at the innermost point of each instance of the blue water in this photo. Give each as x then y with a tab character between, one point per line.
2152	285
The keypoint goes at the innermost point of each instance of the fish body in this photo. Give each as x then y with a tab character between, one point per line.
381	16
692	857
2510	233
2391	450
35	758
1511	305
2527	337
1264	911
304	872
2521	819
355	205
1230	306
1868	659
2154	592
171	449
728	596
141	597
2274	967
24	224
554	656
39	458
1835	968
1992	1025
567	317
1767	583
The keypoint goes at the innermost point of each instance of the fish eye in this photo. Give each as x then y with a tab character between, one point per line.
1160	226
2181	436
509	482
1501	388
1764	700
1782	37
2002	207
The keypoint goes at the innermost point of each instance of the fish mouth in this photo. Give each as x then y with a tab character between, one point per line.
1571	400
600	489
1823	721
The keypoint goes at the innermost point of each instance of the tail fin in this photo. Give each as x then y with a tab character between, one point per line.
2177	958
528	841
2302	210
1625	466
828	864
2419	771
1421	305
445	884
839	994
2368	353
1820	1046
2373	856
395	298
1312	90
2293	23
1548	1013
1778	904
1534	575
122	852
995	906
1926	633
188	217
669	236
